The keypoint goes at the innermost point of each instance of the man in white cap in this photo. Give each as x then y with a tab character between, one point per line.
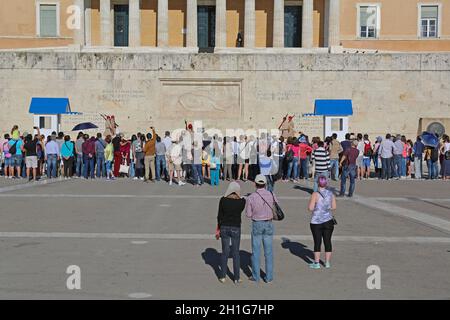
259	209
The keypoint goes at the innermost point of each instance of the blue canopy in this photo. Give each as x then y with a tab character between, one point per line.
333	107
50	106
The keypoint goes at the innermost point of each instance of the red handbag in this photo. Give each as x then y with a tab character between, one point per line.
217	233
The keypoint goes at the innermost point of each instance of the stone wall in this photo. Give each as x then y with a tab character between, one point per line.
390	92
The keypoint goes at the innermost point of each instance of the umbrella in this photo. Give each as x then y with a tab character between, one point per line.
84	126
430	139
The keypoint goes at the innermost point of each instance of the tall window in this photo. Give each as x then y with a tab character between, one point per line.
48	21
429	21
368	20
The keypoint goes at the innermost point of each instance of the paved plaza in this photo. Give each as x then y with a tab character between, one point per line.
134	239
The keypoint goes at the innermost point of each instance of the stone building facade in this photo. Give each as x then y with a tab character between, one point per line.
386	25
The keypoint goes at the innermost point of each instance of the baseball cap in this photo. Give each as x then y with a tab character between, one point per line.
260	179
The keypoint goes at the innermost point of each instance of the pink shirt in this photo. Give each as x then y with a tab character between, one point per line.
294	148
257	209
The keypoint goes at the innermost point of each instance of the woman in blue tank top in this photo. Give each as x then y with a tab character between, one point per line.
321	204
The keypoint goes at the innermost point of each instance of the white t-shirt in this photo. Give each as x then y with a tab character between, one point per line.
360	148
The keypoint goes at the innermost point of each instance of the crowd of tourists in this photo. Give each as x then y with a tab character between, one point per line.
263	160
150	157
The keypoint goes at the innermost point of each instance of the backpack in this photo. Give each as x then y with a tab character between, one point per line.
434	154
6	148
13	148
368	151
138	147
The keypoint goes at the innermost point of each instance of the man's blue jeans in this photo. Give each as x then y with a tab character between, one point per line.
293	165
233	235
386	164
398	165
262	231
197	173
88	163
403	166
304	163
100	165
79	165
334	163
348	171
51	165
160	164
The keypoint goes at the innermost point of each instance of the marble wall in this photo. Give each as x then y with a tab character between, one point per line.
390	92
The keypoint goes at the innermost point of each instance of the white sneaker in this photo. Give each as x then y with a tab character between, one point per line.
170	183
181	183
135	178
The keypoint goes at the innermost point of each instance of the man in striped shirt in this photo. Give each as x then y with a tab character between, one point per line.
322	161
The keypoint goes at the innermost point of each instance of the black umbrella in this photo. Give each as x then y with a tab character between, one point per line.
84	126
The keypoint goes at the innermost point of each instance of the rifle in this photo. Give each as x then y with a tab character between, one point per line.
284	119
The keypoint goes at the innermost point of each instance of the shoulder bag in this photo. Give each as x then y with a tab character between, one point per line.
277	212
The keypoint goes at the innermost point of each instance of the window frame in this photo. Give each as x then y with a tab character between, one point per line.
38	18
419	20
358	20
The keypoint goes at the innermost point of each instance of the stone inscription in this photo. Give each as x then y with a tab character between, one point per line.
286	95
122	95
312	126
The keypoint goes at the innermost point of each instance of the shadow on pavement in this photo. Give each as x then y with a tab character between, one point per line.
298	249
212	258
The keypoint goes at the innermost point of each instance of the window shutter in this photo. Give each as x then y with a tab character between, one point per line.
429	12
48	20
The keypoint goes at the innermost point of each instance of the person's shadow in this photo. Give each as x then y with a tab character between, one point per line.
305	189
212	258
298	249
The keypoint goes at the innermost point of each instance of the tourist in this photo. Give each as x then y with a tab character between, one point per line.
321	157
347	143
348	164
215	165
125	151
367	156
279	147
15	149
304	155
149	157
259	210
67	152
40	151
137	149
79	151
160	164
206	158
8	167
29	148
231	206
398	156
88	148
132	162
335	148
404	159
430	163
243	158
51	156
100	145
445	150
359	160
167	142
321	204
197	163
418	149
386	152
117	155
266	168
60	164
174	159
109	157
227	159
293	158
15	133
377	157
